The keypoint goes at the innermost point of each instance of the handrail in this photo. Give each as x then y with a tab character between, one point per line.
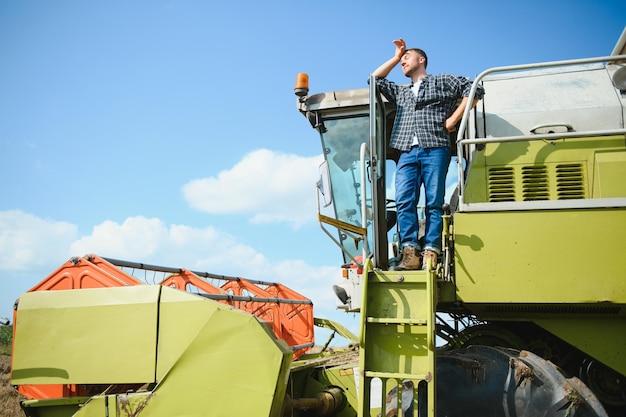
373	143
468	107
363	151
546	136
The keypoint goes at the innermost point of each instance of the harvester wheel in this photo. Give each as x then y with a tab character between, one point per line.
487	335
606	383
483	381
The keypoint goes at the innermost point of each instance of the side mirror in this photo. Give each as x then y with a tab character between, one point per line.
323	185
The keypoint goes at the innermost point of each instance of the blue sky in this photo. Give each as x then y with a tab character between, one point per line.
166	132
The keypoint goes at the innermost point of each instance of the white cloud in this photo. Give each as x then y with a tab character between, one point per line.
32	248
310	281
268	186
152	241
137	236
28	241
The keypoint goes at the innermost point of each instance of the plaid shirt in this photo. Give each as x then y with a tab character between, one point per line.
424	116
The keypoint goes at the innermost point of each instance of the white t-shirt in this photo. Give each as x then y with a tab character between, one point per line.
416	88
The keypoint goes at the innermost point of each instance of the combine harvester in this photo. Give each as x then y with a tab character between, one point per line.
524	316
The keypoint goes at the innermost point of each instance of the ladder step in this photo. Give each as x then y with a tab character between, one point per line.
416	322
407	277
395	375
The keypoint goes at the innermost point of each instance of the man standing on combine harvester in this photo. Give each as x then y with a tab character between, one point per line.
427	111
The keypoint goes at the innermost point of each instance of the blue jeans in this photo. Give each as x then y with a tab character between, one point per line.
417	167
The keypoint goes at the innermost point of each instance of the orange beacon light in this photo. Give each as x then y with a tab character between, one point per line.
302	84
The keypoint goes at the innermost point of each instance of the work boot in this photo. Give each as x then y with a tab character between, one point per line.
429	254
410	260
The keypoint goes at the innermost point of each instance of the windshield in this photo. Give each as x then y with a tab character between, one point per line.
342	139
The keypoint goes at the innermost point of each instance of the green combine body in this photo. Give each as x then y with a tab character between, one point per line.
531	278
538	235
524	315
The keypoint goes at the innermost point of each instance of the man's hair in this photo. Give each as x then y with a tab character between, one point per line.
420	52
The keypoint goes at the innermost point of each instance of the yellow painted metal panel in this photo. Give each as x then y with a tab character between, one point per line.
234	366
604	339
99	407
610	174
88	336
547	170
55	407
182	317
549	256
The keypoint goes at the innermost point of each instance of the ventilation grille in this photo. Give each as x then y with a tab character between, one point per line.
569	179
501	184
536	182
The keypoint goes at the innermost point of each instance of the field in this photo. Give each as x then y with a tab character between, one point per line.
9	399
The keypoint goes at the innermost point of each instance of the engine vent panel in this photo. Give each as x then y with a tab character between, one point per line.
563	181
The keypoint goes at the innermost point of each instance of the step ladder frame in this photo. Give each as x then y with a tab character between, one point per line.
397	338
